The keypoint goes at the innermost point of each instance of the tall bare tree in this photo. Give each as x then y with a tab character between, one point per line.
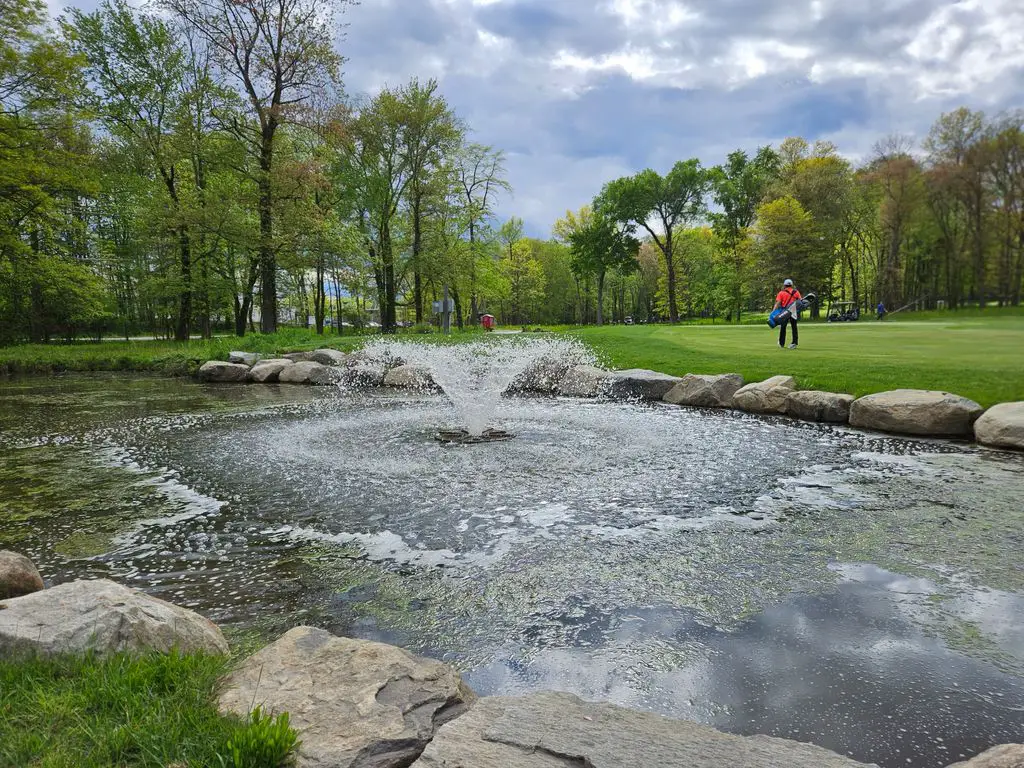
279	52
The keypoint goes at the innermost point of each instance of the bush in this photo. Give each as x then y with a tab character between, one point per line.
422	328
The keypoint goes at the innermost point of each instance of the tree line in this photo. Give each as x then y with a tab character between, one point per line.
199	168
940	225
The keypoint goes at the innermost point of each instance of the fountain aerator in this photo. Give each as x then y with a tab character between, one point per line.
463	436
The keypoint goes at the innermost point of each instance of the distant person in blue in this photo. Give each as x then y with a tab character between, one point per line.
882	312
787	297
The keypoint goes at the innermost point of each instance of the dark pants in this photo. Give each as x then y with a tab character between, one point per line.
782	331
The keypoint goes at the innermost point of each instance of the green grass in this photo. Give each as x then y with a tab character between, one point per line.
155	710
980	357
169	357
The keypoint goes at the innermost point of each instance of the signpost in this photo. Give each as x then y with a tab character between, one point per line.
445	309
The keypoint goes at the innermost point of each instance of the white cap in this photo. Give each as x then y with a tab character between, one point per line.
787	281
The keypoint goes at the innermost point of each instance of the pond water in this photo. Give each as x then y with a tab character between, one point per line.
764	576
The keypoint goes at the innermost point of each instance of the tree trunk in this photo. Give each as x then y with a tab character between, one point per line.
417	244
670	269
320	296
600	297
268	259
458	308
389	320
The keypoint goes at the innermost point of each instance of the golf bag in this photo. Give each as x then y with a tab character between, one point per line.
781	315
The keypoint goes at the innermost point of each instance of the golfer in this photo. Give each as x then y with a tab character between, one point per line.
788	296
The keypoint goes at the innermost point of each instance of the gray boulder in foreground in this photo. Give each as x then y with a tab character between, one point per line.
556	730
811	405
768	396
220	372
641	384
267	371
705	391
916	412
584	381
103	617
354	702
1001	426
309	373
1003	756
18	575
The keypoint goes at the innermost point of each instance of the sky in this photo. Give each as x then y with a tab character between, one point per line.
579	92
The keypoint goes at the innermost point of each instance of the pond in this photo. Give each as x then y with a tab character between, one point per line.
860	592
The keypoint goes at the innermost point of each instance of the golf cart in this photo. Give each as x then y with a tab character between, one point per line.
843	312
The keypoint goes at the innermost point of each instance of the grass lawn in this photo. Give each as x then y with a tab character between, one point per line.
978	357
155	710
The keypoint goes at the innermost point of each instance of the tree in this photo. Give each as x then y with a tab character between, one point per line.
600	246
279	52
673	200
787	243
432	134
738	188
481	177
136	68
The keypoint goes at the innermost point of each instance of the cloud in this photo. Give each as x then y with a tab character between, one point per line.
578	89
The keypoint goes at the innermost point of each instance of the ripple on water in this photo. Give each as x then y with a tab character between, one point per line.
758	574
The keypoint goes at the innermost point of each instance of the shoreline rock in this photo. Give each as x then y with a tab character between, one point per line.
384	703
916	412
219	372
1001	426
768	396
553	730
18	575
702	391
104	617
640	384
827	407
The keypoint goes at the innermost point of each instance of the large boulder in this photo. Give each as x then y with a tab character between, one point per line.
268	371
1003	756
18	575
410	377
543	376
367	374
811	405
584	381
327	357
705	391
555	730
309	373
1001	426
220	372
354	702
768	396
916	412
244	358
104	617
639	383
298	357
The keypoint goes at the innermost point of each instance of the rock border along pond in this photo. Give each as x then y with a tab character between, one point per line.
923	413
363	704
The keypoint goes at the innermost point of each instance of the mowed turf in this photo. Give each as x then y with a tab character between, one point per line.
979	358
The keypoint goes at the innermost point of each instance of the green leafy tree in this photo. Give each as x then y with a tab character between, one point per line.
659	205
600	246
738	187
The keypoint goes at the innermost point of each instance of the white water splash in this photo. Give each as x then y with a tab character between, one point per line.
475	374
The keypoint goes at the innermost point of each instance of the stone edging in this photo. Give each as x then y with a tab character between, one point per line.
922	413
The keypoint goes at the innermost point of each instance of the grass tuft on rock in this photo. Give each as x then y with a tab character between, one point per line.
152	710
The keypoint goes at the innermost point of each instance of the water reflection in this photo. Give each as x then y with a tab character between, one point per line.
758	574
